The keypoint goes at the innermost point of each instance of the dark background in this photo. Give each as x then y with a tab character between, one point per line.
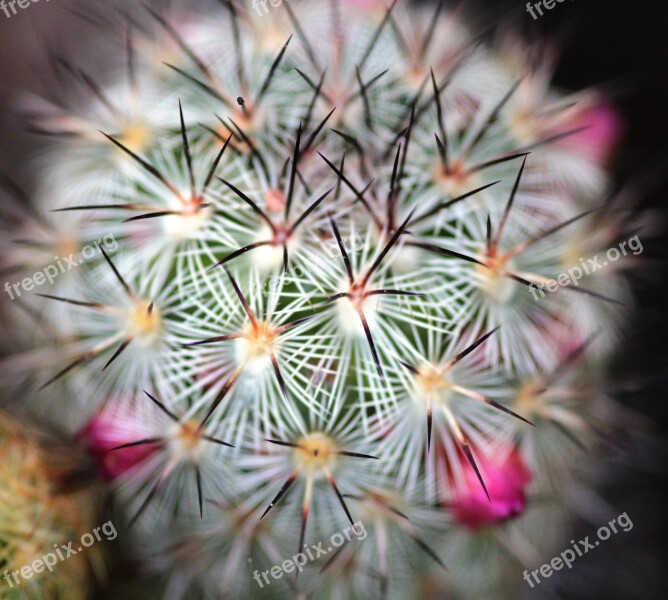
622	45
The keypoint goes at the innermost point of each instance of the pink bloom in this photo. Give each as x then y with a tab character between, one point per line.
113	426
601	133
506	480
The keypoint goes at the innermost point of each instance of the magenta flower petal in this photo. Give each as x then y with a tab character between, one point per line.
602	131
506	481
114	426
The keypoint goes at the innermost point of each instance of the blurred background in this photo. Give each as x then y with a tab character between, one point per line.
617	44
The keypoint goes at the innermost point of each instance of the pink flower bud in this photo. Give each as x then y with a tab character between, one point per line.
602	130
506	479
115	425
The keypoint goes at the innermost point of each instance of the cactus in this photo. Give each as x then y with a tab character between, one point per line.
47	500
314	240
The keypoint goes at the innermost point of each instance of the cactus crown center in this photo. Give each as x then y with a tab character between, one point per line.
316	454
144	320
431	382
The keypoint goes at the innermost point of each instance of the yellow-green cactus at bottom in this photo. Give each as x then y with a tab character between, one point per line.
46	502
